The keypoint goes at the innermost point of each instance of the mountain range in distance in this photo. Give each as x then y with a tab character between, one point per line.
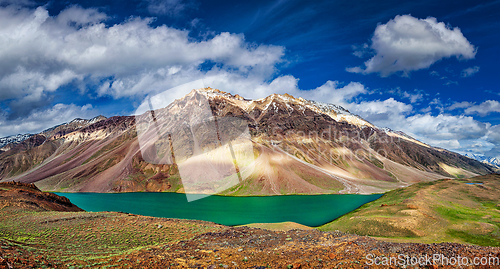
13	140
488	160
293	146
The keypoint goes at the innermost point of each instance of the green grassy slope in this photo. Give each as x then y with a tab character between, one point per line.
87	239
439	211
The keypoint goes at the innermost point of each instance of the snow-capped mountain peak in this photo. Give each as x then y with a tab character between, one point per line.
336	112
489	160
16	139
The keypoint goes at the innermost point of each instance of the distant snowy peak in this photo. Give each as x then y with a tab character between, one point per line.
72	125
336	112
403	135
96	119
493	160
15	139
213	93
489	160
87	122
474	156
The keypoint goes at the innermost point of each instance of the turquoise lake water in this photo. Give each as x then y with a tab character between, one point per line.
310	210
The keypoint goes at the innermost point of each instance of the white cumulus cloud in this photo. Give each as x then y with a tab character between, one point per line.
43	52
460	105
445	127
40	53
40	119
383	113
467	72
484	108
406	44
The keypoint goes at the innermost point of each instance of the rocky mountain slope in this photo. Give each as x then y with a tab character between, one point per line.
24	196
210	141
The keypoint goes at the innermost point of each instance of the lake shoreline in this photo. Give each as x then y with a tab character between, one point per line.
220	195
308	210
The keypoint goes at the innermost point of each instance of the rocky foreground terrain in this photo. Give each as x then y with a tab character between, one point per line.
42	230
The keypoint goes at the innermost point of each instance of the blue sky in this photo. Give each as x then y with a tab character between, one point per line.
428	68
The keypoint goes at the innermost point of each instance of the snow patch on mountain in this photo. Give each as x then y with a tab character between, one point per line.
336	112
16	139
479	157
403	135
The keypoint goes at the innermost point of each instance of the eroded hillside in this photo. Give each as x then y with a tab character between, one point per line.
294	146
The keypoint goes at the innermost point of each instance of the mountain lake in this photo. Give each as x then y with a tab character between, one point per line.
310	210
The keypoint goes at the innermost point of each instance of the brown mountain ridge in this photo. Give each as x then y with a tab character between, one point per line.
298	146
